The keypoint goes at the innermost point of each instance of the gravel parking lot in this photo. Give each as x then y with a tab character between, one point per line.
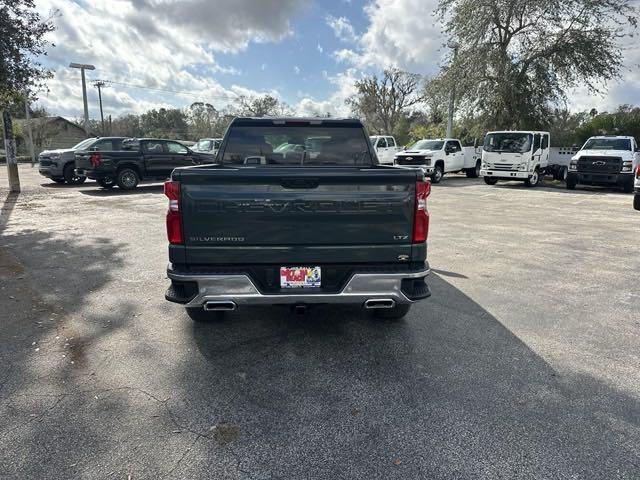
525	362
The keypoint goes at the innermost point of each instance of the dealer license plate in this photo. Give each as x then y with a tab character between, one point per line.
299	277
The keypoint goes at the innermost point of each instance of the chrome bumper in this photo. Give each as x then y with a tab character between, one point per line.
240	290
506	174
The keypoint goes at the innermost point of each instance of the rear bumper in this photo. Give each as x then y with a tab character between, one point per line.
505	174
614	179
197	290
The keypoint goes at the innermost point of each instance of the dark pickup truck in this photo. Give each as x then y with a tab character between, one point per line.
321	224
139	159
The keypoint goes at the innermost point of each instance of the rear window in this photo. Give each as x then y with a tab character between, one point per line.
293	145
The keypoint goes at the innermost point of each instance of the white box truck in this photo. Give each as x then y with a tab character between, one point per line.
515	155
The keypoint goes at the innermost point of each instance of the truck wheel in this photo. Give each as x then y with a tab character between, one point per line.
437	174
534	180
571	184
474	172
107	183
70	177
200	315
58	180
636	201
395	313
127	179
490	181
562	174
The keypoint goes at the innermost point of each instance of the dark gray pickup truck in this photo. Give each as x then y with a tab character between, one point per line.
318	224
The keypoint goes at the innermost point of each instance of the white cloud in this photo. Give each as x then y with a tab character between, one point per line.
320	49
401	33
154	43
342	28
296	70
345	87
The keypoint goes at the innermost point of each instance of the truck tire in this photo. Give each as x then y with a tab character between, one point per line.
200	315
70	177
438	173
534	180
395	313
127	179
107	183
58	180
636	201
474	172
562	174
490	181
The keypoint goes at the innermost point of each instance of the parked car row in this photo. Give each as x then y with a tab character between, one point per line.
123	161
526	156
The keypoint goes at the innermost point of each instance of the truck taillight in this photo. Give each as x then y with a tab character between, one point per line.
421	215
638	171
95	160
174	218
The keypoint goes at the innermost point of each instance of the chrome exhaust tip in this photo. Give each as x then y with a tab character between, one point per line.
220	306
379	303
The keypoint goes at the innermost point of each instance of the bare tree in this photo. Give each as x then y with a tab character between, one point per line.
381	102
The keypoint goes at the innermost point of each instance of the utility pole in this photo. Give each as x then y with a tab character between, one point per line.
83	67
10	150
452	97
99	84
27	116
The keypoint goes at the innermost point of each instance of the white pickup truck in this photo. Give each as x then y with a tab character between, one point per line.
607	161
385	147
439	156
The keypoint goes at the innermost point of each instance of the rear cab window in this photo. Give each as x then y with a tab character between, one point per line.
391	142
296	144
153	146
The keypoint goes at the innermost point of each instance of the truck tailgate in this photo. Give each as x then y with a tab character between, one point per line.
296	215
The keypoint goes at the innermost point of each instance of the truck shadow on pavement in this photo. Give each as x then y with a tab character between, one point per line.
449	392
114	192
50	352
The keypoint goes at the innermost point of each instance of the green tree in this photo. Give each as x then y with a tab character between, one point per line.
202	119
261	106
164	123
22	41
382	101
515	59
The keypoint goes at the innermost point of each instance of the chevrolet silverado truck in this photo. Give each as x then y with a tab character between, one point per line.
139	159
439	156
606	161
323	225
59	165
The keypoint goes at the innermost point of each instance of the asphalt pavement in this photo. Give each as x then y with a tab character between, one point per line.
525	362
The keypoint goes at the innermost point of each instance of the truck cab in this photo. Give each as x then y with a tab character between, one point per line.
515	155
439	156
636	189
385	147
606	161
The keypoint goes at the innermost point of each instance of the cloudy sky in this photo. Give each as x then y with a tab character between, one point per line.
306	52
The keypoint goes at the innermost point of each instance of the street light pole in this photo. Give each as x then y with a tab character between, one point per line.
452	97
100	84
83	67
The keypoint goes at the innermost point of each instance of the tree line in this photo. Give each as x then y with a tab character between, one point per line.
510	65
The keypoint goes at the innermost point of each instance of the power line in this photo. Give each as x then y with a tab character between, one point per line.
164	90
